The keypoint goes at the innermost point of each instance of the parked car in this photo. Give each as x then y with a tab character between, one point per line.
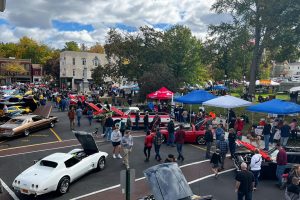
192	135
12	109
27	124
56	171
268	169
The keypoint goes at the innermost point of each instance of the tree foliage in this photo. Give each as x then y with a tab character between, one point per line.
72	46
273	24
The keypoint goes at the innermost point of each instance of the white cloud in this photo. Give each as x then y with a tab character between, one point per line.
33	18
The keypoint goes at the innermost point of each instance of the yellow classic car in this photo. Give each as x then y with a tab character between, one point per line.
12	109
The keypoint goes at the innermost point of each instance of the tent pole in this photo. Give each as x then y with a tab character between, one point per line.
228	120
190	113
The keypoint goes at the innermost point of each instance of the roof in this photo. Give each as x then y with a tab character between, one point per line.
25	116
58	157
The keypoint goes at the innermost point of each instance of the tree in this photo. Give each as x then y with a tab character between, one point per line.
12	69
52	65
97	48
99	74
71	46
268	21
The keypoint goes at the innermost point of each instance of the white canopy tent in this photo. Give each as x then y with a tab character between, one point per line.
227	102
295	89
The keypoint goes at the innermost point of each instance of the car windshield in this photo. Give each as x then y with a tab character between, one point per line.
48	163
15	121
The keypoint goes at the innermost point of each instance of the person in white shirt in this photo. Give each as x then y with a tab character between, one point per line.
255	166
116	137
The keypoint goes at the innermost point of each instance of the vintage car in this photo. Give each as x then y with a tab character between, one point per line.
27	124
192	134
23	110
56	171
117	115
245	151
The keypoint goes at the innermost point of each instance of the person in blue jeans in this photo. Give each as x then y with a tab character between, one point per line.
255	166
171	130
281	160
157	141
78	115
266	132
109	123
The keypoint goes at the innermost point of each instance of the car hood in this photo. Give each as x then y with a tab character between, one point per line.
9	126
35	175
43	110
87	142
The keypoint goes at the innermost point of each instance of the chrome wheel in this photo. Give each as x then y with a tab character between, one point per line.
26	132
64	185
101	164
51	124
200	140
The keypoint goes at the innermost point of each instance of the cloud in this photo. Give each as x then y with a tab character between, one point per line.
87	21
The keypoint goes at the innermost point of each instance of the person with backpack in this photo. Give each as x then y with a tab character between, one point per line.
179	139
148	145
157	141
255	166
171	130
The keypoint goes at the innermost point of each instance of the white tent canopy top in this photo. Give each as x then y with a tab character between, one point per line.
295	89
228	102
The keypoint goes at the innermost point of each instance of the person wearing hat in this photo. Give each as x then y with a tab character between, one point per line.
215	160
170	158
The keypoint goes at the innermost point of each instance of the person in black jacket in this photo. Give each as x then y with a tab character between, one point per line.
231	141
208	137
215	160
266	132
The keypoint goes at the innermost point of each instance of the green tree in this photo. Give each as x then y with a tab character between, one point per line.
268	21
52	66
99	74
71	46
97	48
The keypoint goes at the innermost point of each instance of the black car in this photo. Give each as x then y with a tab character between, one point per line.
268	167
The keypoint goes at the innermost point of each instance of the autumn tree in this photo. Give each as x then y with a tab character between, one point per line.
97	48
271	23
13	69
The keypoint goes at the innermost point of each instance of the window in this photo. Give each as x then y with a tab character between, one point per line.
83	61
73	61
73	72
71	162
96	61
48	163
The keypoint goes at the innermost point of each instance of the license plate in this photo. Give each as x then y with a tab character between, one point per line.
24	191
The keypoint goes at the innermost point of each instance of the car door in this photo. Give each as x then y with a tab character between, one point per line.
76	167
188	134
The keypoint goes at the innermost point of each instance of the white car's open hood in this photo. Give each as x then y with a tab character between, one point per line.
87	142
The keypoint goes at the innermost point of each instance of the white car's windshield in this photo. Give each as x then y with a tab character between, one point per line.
48	163
15	121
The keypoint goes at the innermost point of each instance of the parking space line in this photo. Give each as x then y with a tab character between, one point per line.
10	192
56	135
198	147
32	145
142	178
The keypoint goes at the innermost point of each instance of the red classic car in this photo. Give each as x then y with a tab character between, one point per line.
191	134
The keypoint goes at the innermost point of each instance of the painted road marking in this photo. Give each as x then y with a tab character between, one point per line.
10	192
198	147
142	178
32	145
39	135
56	135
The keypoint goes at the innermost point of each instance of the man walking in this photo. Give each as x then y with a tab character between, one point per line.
146	121
266	132
223	146
127	143
255	166
171	130
71	115
231	141
244	183
157	141
179	139
281	160
285	134
109	123
208	137
79	115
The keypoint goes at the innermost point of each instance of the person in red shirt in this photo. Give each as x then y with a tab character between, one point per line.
281	160
239	126
179	139
148	145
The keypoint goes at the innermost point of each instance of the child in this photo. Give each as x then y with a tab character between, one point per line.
215	160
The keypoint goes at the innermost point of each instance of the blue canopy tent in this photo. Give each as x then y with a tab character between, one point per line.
195	97
276	106
220	87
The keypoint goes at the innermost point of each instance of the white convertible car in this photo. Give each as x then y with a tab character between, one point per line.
56	171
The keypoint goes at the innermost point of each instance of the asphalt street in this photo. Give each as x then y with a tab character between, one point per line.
19	153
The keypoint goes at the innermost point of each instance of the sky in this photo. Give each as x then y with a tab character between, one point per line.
55	22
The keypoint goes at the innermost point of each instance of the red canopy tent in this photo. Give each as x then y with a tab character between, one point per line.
161	94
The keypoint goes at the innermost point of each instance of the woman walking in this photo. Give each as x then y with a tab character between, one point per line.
148	145
116	137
